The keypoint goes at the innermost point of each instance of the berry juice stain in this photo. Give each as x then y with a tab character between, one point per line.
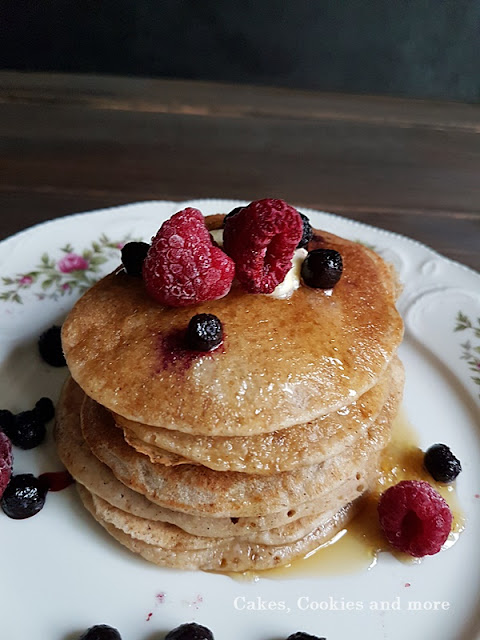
174	352
56	480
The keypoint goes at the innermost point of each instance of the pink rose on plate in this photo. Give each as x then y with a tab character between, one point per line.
25	281
72	262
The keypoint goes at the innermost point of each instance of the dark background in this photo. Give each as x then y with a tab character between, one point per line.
419	48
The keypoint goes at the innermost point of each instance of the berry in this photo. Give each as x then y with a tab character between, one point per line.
5	462
133	256
28	430
441	464
301	635
101	632
6	420
50	347
415	518
307	234
182	266
322	268
190	631
24	496
232	213
44	410
205	332
261	239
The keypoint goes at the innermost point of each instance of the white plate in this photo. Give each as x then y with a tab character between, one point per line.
60	572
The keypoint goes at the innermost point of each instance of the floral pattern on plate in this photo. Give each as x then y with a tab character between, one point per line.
72	272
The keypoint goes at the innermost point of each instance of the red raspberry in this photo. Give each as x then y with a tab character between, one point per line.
415	518
182	266
261	239
5	462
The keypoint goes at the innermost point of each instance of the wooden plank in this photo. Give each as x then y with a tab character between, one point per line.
72	143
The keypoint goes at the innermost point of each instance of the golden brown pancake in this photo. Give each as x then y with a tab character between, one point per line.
198	490
229	555
282	363
273	452
100	481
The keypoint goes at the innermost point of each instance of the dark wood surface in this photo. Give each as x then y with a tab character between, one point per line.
71	143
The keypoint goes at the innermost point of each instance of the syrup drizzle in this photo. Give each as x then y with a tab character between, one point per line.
356	547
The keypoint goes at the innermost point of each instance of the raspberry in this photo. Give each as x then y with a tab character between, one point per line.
415	518
182	266
261	238
5	462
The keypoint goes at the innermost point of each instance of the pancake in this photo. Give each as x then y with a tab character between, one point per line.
265	454
282	363
232	555
171	536
99	480
199	491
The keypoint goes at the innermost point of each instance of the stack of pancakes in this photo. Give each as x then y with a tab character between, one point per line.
244	457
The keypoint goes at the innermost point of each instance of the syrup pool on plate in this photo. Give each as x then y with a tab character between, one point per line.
357	546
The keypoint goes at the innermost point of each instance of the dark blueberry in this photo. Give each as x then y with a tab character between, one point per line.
50	347
28	430
190	631
101	632
204	332
301	635
6	421
133	256
24	496
322	268
232	213
441	464
45	410
307	232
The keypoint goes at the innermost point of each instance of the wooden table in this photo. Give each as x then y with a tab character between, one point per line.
71	143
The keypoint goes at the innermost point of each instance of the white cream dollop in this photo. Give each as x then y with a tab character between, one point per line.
292	279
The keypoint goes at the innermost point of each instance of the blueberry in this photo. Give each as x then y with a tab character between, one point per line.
44	410
6	421
441	464
50	347
204	332
133	256
322	268
101	632
190	631
232	213
28	431
307	232
301	635
24	496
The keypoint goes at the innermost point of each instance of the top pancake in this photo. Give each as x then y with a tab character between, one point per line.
283	362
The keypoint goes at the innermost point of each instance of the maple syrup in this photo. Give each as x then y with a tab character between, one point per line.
357	546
